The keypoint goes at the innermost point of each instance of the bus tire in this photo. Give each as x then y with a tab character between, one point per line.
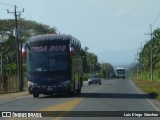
71	93
35	95
78	91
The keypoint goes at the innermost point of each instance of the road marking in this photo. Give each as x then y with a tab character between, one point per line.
145	97
66	106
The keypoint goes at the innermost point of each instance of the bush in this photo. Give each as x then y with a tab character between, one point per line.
11	69
85	77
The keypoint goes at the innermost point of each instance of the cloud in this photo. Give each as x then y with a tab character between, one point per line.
137	13
124	12
120	12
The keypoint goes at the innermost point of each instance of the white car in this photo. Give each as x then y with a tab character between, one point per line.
94	79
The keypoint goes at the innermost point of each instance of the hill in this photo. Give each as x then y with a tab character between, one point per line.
118	58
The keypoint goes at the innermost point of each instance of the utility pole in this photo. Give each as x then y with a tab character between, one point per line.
1	64
17	45
151	55
141	65
137	66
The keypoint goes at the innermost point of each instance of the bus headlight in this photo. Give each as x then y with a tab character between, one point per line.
32	84
66	82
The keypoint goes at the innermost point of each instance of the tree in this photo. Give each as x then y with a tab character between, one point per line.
90	61
145	55
106	70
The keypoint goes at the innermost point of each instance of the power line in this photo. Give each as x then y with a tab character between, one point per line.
151	51
10	5
27	14
6	4
156	19
3	9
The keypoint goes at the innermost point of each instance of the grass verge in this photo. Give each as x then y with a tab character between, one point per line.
148	86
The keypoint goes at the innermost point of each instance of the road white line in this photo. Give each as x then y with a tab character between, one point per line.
157	109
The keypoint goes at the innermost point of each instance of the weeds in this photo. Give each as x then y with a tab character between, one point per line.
148	86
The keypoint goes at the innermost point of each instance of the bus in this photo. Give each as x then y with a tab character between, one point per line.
120	73
54	64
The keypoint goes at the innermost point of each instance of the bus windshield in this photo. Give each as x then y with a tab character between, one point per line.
58	61
120	71
48	61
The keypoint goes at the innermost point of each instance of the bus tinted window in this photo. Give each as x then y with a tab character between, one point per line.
58	61
120	71
51	61
38	62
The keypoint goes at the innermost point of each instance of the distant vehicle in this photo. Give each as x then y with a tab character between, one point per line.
94	79
54	64
120	73
113	75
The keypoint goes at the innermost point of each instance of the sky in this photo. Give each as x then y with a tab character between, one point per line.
101	25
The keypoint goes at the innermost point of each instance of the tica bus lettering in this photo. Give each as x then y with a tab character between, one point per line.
51	48
57	48
39	49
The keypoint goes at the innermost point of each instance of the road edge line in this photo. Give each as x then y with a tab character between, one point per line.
149	101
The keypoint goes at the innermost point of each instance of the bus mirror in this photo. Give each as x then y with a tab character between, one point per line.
23	53
72	52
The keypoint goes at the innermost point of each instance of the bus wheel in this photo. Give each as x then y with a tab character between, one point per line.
35	95
78	91
71	93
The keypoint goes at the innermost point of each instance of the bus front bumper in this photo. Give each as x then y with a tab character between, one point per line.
39	89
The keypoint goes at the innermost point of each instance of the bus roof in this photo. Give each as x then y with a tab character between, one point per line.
120	68
51	37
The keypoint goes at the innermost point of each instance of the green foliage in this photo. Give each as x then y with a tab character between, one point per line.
106	70
91	65
144	65
90	61
85	77
10	69
151	46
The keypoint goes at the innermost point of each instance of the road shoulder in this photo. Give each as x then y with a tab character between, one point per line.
155	103
13	95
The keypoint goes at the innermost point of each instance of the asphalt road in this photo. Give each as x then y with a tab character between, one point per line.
117	95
